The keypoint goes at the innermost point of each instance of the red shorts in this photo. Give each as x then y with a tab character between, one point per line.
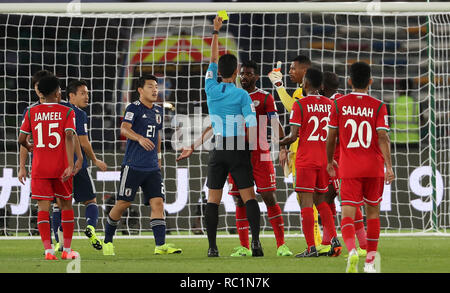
48	189
311	180
335	180
356	191
263	173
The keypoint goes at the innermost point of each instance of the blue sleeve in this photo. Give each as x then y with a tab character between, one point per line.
211	77
248	110
81	122
160	122
130	114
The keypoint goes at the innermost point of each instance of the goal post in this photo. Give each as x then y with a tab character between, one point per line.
110	44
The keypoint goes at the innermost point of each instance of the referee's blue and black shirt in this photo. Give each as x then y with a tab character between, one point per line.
230	108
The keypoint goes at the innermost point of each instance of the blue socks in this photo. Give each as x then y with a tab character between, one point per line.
92	214
56	221
110	229
159	231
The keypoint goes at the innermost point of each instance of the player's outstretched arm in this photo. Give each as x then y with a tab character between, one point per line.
87	147
331	146
385	147
187	151
276	77
215	40
125	130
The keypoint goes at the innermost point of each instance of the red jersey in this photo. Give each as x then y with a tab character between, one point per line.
337	150
358	116
312	115
264	104
47	124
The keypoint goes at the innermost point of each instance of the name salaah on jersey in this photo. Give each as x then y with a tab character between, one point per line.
357	111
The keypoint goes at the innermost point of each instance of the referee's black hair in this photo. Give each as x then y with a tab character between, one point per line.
48	84
302	59
314	77
38	76
227	65
251	64
360	75
144	78
330	80
73	86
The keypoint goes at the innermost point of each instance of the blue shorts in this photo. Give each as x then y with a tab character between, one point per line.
131	179
83	186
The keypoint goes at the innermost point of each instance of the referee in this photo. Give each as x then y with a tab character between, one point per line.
230	108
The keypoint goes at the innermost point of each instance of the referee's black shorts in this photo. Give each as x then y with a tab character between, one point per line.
224	161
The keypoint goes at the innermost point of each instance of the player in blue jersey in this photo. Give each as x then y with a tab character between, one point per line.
83	186
141	167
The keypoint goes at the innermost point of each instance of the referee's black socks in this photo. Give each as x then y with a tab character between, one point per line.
253	217
212	219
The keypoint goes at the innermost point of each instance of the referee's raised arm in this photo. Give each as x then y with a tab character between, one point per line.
230	109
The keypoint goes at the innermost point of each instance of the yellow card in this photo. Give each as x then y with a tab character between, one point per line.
223	14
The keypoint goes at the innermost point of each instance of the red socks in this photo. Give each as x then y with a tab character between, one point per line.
360	230
43	224
348	233
67	224
277	222
333	208
329	230
308	225
242	225
373	233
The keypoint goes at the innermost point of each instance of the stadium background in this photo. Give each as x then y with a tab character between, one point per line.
97	50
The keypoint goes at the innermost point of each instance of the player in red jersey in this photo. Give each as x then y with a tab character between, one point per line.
363	127
52	127
329	89
263	170
309	118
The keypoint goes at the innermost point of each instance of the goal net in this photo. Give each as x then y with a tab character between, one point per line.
408	53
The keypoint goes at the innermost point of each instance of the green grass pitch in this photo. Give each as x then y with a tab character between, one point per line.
398	255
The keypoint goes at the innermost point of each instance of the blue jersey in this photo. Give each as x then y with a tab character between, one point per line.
81	122
230	108
146	122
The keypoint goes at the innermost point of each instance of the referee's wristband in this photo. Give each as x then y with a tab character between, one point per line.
215	32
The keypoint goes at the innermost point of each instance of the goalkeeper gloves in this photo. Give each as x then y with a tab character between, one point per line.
276	77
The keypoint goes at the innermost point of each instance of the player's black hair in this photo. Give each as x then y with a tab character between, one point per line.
251	64
314	77
144	78
360	75
73	86
302	59
227	65
48	84
330	80
38	76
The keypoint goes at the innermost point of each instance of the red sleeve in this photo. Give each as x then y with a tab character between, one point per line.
70	121
333	116
382	118
296	115
26	126
270	104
